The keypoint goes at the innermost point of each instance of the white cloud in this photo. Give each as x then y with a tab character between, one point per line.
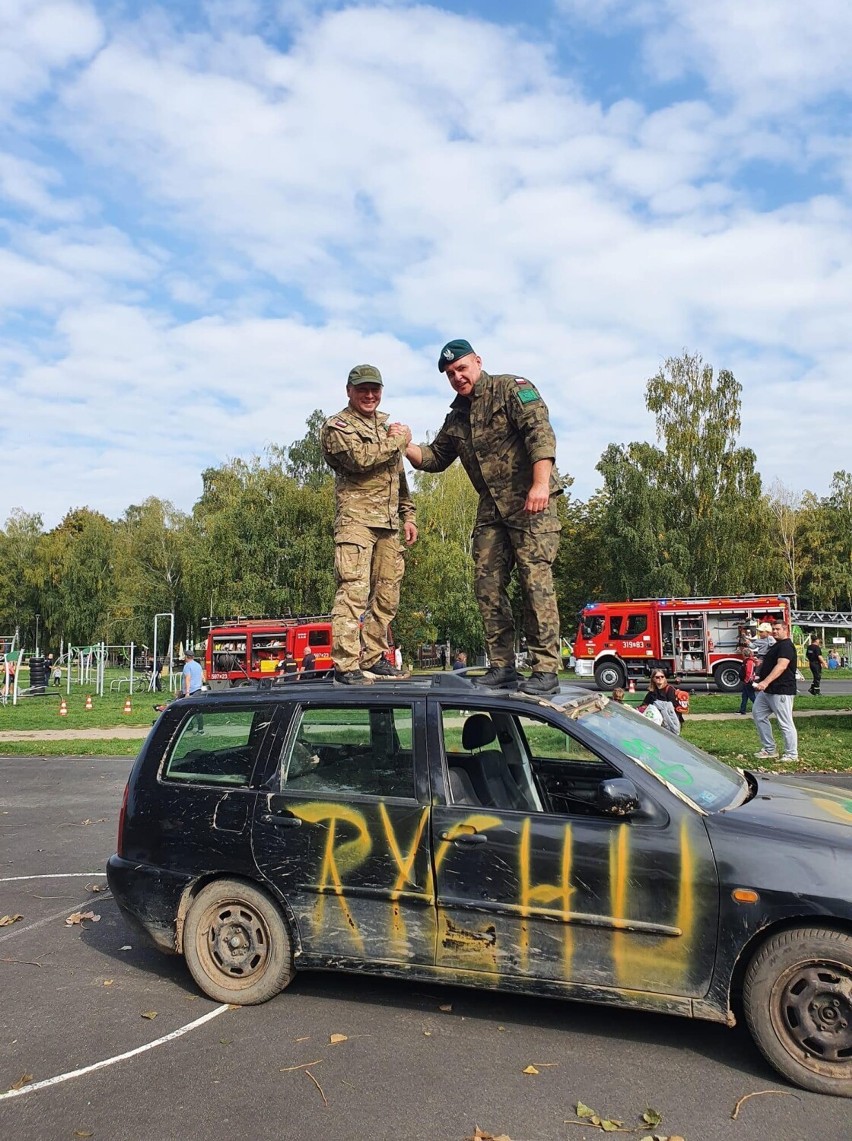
256	219
38	38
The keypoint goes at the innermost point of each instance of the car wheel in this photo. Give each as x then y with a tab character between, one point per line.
727	678
609	675
237	944
797	995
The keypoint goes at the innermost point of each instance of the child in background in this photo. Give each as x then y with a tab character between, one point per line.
618	695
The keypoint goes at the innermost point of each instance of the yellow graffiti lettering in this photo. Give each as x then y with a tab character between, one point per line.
340	859
543	893
476	822
405	865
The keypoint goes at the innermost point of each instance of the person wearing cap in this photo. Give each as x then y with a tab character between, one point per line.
499	427
191	681
371	500
763	641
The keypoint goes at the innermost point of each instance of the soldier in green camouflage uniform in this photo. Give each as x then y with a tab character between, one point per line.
371	496
498	427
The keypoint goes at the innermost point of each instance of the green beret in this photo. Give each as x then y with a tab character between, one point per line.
453	351
365	374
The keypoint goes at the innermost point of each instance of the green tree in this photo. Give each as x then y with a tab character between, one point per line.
73	572
303	459
151	548
19	602
681	517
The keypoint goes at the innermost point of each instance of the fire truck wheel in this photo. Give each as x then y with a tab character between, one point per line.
727	677
609	675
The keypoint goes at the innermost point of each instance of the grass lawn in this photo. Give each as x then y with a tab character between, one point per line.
825	743
43	712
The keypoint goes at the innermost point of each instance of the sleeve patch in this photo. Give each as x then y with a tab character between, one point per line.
521	380
527	395
340	424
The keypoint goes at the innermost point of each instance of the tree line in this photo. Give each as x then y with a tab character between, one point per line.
686	515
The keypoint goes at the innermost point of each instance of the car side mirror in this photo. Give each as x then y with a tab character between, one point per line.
617	796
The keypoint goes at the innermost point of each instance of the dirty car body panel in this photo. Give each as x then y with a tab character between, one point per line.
427	828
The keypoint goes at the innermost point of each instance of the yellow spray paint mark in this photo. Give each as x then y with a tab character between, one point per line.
664	962
841	809
544	893
405	865
476	822
338	860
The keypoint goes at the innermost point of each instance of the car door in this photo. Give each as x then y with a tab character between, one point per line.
533	882
342	832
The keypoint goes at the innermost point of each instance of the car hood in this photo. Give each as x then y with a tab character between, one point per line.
785	801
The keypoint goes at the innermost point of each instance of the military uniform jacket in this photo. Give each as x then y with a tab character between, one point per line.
498	434
371	489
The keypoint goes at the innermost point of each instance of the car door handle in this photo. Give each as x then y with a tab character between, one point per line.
281	821
466	838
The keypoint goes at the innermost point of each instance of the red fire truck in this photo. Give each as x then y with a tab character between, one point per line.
691	638
243	650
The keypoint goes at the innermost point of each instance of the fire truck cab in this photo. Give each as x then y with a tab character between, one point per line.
691	638
241	650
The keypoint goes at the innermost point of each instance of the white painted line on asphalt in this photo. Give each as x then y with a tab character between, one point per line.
118	1057
52	876
48	919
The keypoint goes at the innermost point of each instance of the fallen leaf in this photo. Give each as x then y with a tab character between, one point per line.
21	1082
83	1133
447	1007
335	1038
610	1125
149	1014
96	887
427	1033
583	1110
652	1116
77	917
108	982
8	920
530	1070
480	1135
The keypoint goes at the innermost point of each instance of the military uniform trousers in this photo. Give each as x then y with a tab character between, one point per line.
368	564
497	549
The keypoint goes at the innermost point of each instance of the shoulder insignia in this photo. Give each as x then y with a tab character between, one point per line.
521	380
340	424
527	395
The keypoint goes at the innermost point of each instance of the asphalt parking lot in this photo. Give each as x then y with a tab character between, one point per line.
79	999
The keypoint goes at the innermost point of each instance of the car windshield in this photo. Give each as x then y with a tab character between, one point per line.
703	780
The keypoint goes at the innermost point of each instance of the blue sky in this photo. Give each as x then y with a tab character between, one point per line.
210	211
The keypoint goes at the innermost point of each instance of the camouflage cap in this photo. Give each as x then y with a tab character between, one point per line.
365	374
453	351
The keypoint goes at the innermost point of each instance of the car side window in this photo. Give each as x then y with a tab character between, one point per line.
567	773
349	750
218	747
486	764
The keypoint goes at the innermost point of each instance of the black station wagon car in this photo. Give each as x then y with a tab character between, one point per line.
429	829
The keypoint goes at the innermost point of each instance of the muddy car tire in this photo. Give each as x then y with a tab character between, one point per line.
237	944
797	995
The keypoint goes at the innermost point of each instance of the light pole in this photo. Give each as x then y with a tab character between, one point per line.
36	645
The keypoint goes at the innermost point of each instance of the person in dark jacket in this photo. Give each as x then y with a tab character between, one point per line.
662	693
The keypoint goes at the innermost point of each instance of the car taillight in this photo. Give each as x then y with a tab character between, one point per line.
122	816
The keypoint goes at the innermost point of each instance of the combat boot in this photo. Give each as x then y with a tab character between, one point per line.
351	677
540	684
498	677
382	670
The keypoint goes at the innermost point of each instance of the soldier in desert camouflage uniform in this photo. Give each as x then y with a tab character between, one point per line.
498	427
371	496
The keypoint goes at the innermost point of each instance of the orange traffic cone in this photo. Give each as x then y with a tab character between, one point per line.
127	706
88	705
632	686
63	708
